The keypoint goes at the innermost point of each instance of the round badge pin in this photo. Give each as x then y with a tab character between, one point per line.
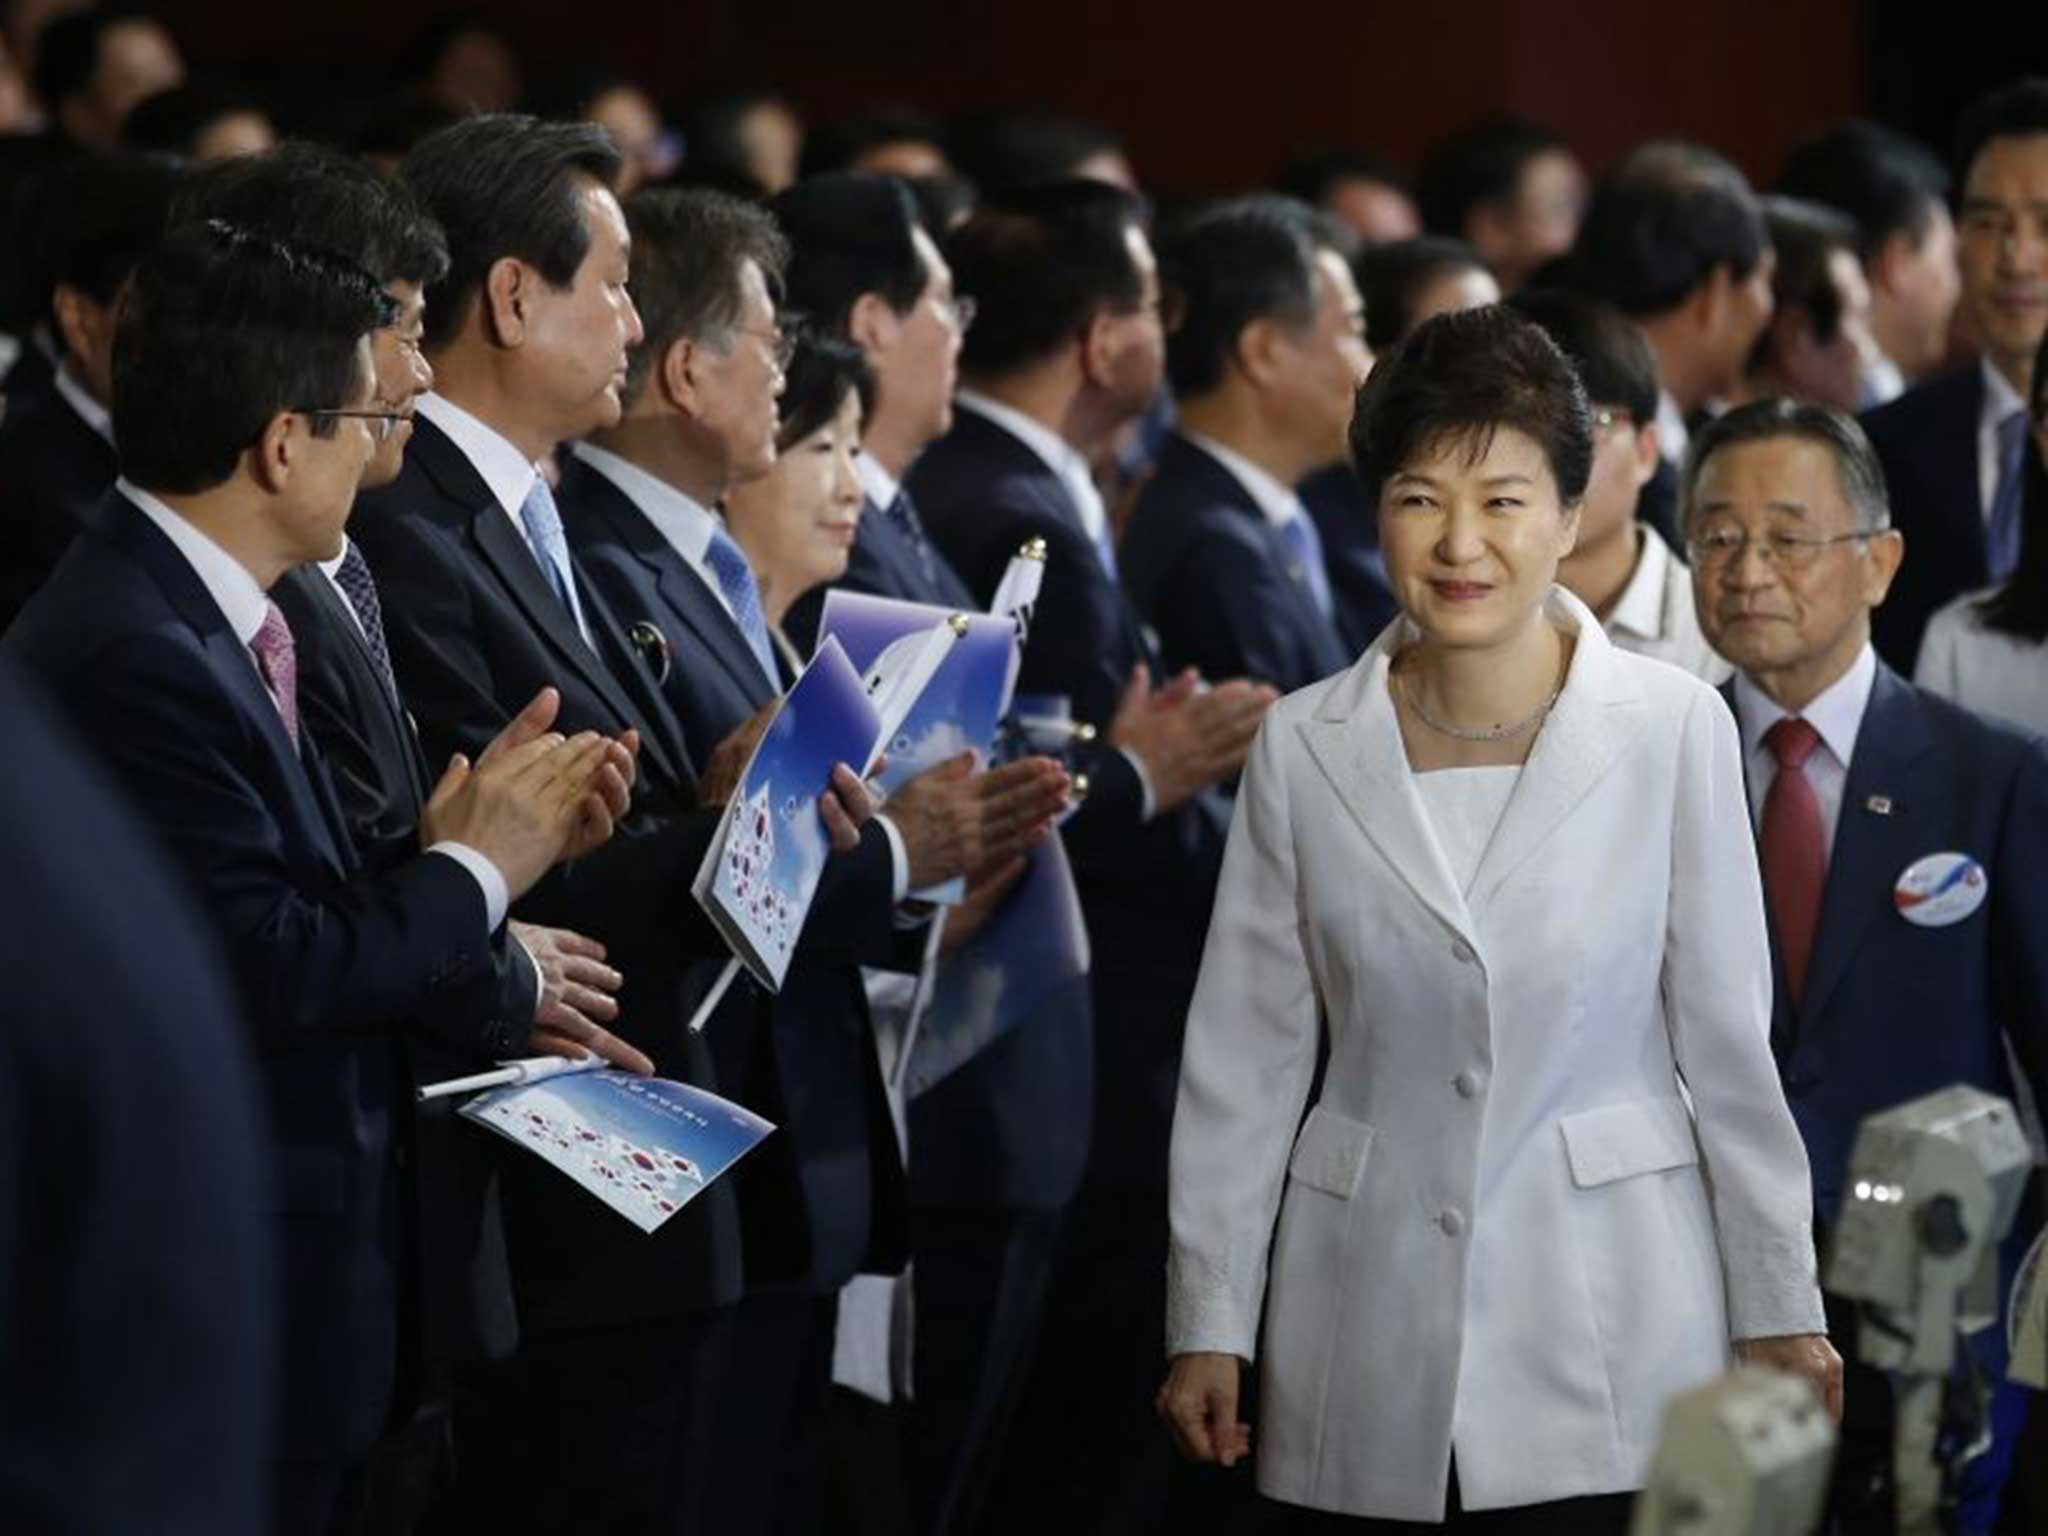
1941	889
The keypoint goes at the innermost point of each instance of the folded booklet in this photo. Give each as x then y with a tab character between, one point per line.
645	1146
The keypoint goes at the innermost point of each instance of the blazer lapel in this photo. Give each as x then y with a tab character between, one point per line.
1355	740
320	591
1596	718
1871	846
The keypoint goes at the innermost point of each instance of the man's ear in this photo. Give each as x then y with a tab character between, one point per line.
677	374
276	450
1889	261
79	320
1709	303
871	324
1882	557
1259	350
507	298
1097	347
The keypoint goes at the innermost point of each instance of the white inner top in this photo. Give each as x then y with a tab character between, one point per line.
1464	806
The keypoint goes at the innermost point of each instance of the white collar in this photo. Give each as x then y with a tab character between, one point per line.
1672	436
227	581
1837	714
879	486
2000	398
1054	451
1280	504
682	520
88	410
1639	610
332	568
507	472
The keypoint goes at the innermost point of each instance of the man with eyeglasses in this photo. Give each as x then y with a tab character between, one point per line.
1902	841
1620	566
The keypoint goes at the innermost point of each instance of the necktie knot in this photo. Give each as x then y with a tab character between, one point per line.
277	659
1792	741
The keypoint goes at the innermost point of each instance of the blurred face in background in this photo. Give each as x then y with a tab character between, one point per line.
1453	289
137	59
772	140
403	374
1538	223
797	522
1915	285
2002	247
626	113
1315	388
1379	212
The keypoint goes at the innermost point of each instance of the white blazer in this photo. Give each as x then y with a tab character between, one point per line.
1501	1228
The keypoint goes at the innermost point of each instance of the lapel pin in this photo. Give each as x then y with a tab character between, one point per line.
1879	805
652	645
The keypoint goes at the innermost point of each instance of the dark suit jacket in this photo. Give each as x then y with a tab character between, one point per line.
1657	504
884	562
1893	1011
1349	529
1927	441
134	1275
465	1308
333	956
1216	580
824	1199
475	631
53	471
1146	887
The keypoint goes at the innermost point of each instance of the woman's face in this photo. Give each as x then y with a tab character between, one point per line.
797	522
1471	541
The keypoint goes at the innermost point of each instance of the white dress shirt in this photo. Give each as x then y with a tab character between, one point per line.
245	606
1279	503
87	409
876	483
1838	717
2000	401
1984	669
1055	451
507	473
1672	436
1655	616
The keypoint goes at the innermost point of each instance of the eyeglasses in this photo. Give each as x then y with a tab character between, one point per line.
956	311
781	344
382	423
1787	551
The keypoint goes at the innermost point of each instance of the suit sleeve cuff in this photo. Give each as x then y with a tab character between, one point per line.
497	898
899	860
1148	806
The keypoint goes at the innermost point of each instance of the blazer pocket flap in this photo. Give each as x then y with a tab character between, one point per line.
1619	1141
307	1182
1329	1154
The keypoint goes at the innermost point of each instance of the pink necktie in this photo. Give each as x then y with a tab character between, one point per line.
277	659
1795	856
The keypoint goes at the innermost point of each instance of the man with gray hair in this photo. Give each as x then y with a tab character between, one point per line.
1901	840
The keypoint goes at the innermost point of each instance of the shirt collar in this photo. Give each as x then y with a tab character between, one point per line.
1280	504
684	522
227	581
507	472
876	483
1837	714
1672	436
1639	610
88	410
2000	398
1054	451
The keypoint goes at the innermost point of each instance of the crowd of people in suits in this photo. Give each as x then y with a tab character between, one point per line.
406	539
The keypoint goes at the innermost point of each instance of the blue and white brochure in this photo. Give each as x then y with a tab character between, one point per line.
764	863
645	1146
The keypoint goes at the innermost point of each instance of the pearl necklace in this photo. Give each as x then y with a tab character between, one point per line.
1484	733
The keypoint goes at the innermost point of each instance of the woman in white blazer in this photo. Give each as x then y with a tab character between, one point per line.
1504	871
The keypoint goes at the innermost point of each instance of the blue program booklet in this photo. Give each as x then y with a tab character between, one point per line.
958	709
765	861
645	1146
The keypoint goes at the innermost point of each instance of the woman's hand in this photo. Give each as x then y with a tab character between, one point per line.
1808	1355
1199	1404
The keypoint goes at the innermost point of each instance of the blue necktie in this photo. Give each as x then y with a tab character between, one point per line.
551	547
1305	547
2002	527
903	513
736	581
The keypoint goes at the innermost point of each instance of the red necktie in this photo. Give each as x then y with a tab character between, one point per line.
1794	847
277	660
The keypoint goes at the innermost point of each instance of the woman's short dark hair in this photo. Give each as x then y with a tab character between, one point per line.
218	332
503	185
1391	278
1469	374
1250	258
1609	350
2020	607
849	235
822	372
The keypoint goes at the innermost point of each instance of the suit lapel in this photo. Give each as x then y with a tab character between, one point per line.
336	613
1355	740
1871	848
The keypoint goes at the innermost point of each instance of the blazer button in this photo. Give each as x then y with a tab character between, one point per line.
1468	1085
1463	953
1451	1222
